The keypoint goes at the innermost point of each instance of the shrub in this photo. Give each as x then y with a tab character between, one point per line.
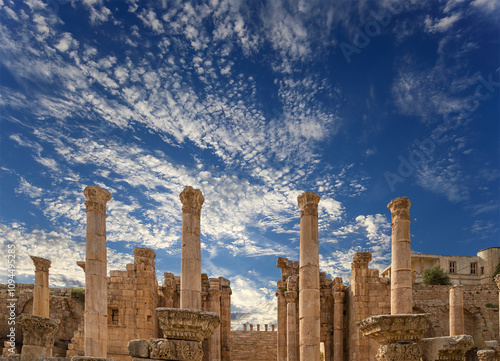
436	276
78	293
491	305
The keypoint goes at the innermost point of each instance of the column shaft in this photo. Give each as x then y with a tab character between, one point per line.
338	326
457	325
291	327
401	278
281	322
309	294
41	290
190	297
225	309
96	281
214	339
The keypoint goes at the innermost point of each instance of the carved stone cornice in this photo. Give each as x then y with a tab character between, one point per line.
338	297
400	209
41	264
183	324
456	349
191	200
96	199
308	204
361	259
395	328
181	350
38	330
291	296
486	355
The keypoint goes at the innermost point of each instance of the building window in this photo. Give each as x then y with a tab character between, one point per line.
114	316
473	267
452	267
482	270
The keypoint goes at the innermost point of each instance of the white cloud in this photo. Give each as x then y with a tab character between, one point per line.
441	25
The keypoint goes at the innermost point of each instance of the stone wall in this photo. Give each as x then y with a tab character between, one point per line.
253	345
480	321
66	310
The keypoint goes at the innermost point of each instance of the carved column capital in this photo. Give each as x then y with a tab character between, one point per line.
399	351
400	209
497	280
214	293
38	330
338	297
191	200
361	259
96	199
41	264
291	296
182	350
308	204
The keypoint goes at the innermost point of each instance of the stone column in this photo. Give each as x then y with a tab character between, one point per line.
401	278
281	322
41	291
225	310
291	327
244	327
214	340
169	286
192	200
338	319
457	326
309	294
96	280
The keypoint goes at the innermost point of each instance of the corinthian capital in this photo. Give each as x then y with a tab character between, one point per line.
41	264
96	199
400	209
192	200
308	204
291	296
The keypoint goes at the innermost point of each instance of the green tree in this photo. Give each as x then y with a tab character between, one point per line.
436	276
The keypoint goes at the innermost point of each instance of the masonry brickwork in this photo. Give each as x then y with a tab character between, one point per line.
254	345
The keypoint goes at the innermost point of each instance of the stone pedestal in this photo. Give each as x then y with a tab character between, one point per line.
96	280
291	327
401	277
309	294
192	200
183	331
398	335
38	336
457	324
449	348
338	318
41	290
281	322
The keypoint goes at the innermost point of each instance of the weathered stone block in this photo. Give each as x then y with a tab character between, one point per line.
139	348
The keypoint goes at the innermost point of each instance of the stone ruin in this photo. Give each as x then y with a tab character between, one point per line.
128	315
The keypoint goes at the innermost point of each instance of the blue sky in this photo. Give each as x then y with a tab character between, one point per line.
253	103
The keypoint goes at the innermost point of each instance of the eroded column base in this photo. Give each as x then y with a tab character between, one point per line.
165	349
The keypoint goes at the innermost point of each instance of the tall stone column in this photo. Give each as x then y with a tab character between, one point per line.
281	322
457	325
338	319
192	200
309	294
41	291
291	319
225	310
96	280
401	278
214	340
